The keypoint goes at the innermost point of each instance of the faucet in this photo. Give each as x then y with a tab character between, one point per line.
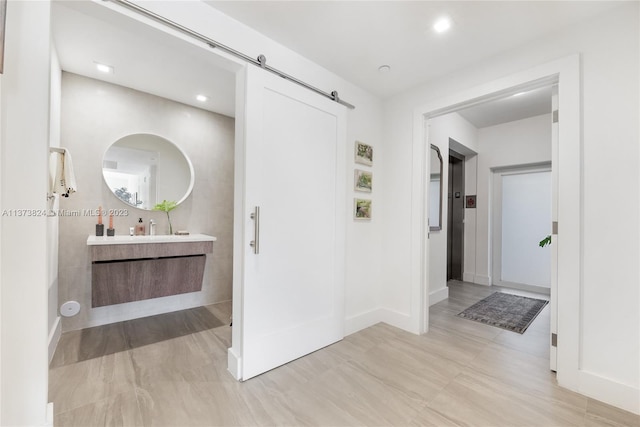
152	227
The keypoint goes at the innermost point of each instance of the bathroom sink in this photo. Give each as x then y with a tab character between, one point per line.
131	240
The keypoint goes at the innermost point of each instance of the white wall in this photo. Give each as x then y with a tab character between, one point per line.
24	152
96	114
520	142
441	129
364	238
609	308
470	219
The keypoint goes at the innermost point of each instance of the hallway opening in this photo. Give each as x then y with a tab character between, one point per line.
476	250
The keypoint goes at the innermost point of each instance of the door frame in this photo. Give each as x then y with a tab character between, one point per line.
564	72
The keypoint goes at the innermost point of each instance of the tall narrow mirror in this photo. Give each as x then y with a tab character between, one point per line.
435	189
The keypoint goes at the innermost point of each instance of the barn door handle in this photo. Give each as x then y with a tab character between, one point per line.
255	244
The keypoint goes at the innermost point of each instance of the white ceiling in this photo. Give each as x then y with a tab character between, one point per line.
350	38
513	107
353	38
143	58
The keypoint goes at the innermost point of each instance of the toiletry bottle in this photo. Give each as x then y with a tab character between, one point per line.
140	227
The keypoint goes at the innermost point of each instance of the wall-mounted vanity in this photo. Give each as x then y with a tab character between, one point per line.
134	268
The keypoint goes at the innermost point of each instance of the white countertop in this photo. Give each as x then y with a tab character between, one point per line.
132	240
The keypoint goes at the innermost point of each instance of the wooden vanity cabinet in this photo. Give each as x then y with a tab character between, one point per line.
132	272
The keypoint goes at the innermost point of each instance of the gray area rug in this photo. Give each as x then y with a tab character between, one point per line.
511	312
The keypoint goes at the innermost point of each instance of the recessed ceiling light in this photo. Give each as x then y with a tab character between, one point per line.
103	68
201	98
384	68
442	25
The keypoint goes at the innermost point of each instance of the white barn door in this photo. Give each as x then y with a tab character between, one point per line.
294	229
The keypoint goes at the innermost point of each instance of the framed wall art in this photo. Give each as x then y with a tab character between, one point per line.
470	202
362	209
364	153
363	181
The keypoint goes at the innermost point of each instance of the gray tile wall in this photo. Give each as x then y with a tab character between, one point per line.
94	115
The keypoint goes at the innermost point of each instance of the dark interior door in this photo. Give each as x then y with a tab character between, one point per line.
455	224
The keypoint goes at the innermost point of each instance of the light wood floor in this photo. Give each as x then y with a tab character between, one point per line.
461	373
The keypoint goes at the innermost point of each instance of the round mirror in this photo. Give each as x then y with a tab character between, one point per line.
143	170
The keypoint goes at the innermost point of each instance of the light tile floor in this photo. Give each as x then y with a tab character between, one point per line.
170	370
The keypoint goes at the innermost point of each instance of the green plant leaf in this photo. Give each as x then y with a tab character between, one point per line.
546	241
166	206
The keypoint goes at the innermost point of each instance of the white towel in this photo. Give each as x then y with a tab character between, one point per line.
55	171
63	180
69	175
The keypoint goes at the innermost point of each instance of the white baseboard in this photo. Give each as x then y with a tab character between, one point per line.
611	392
482	280
54	337
361	321
439	295
370	318
468	277
49	421
145	308
233	364
524	287
399	320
